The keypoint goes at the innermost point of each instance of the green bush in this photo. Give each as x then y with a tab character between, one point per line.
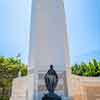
10	69
23	70
90	69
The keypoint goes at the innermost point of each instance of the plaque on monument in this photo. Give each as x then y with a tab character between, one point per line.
51	80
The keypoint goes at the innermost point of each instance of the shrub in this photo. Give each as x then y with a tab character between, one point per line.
90	69
23	70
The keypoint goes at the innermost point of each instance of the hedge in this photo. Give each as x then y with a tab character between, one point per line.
90	69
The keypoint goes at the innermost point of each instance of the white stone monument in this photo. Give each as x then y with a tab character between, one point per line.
48	38
48	45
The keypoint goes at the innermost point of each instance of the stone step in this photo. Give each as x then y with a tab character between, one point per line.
62	97
66	98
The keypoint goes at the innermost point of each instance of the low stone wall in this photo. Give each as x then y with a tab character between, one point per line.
85	88
22	88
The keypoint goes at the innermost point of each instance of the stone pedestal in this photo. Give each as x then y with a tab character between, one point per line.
51	96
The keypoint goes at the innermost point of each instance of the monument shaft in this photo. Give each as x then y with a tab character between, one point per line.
48	36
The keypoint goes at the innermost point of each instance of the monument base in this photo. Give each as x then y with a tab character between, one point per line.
51	96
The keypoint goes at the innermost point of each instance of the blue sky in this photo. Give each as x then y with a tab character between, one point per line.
83	26
83	18
14	27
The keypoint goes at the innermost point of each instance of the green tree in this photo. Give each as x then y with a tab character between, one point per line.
90	69
9	69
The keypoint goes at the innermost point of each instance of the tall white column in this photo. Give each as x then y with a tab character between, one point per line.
48	35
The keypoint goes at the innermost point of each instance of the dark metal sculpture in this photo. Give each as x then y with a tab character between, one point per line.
51	80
